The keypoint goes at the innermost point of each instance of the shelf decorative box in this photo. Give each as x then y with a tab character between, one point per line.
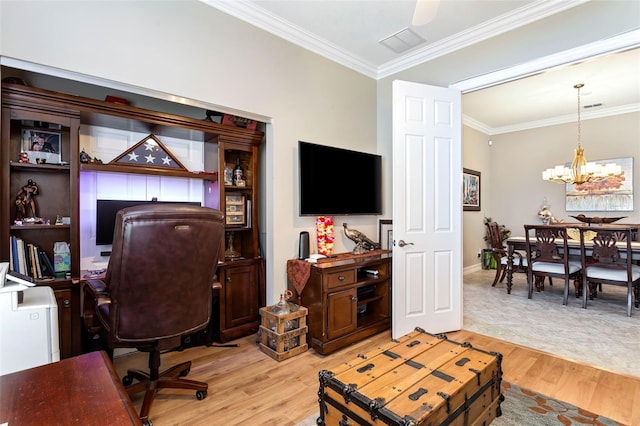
278	343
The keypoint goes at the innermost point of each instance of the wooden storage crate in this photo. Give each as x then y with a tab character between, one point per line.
278	342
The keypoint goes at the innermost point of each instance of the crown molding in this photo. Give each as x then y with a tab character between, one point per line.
494	27
265	20
253	14
553	121
477	125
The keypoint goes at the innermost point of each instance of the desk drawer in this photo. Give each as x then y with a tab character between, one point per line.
340	278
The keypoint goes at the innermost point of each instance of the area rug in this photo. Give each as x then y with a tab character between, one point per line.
523	407
598	335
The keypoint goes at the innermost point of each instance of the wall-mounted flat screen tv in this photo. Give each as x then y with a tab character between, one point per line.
337	181
106	211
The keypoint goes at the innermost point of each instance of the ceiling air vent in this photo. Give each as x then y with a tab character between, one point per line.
402	41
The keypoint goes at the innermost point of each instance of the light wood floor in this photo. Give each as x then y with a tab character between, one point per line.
246	387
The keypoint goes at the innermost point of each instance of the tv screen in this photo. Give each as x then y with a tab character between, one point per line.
106	211
336	181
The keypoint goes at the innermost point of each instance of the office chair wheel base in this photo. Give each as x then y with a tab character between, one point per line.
201	395
127	380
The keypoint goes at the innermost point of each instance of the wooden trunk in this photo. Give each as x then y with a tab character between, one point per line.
419	379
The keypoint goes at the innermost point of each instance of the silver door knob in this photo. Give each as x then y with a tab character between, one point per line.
401	243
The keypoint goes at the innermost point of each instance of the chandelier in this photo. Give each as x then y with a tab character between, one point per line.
580	171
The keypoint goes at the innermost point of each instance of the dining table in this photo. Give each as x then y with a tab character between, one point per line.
519	243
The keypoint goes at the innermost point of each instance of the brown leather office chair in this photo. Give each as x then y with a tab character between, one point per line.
609	260
157	288
548	256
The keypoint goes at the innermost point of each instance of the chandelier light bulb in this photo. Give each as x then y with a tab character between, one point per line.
581	171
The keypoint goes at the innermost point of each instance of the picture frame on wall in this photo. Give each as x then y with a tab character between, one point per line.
235	210
385	234
470	190
41	146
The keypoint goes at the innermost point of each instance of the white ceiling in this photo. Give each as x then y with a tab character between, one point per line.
349	31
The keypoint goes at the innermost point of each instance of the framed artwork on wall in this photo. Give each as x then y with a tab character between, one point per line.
470	190
385	234
612	194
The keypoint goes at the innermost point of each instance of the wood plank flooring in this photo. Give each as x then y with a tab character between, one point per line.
246	387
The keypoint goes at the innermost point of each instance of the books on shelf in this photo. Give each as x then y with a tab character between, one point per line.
29	260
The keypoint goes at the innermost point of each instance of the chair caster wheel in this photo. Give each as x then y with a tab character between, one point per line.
201	395
147	423
185	372
127	380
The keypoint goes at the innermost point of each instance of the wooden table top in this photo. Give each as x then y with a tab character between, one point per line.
82	390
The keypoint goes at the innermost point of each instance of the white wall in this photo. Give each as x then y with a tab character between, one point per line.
191	50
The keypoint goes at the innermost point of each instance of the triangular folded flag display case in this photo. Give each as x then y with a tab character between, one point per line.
149	153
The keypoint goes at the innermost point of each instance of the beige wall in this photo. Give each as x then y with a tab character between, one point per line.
188	49
191	50
518	158
476	155
512	168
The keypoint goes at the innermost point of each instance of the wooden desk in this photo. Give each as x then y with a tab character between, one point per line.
520	243
81	390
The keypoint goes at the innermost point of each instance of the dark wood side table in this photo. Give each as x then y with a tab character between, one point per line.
80	390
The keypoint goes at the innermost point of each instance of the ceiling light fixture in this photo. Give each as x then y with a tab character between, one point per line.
580	171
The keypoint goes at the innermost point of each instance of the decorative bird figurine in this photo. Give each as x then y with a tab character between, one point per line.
363	243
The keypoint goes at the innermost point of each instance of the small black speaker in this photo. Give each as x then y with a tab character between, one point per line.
303	250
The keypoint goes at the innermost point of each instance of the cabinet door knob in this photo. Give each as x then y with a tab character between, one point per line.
66	303
341	278
354	299
228	279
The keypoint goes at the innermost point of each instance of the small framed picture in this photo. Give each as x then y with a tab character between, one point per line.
470	190
41	146
385	234
235	209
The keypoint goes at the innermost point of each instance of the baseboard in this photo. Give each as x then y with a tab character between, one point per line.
472	268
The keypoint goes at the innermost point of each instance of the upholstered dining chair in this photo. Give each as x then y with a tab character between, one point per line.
548	256
500	255
157	288
608	260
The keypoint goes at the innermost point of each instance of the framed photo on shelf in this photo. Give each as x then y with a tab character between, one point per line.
41	146
470	190
235	209
385	234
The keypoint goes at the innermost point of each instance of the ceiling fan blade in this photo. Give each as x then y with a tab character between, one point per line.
426	11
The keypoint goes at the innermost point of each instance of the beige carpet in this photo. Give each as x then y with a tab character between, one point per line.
601	335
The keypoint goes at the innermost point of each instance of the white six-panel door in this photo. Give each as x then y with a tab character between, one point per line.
427	208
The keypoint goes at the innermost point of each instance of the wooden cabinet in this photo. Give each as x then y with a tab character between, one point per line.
27	111
56	128
240	298
348	299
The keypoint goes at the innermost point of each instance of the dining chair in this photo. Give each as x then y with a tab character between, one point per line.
548	256
607	259
500	255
